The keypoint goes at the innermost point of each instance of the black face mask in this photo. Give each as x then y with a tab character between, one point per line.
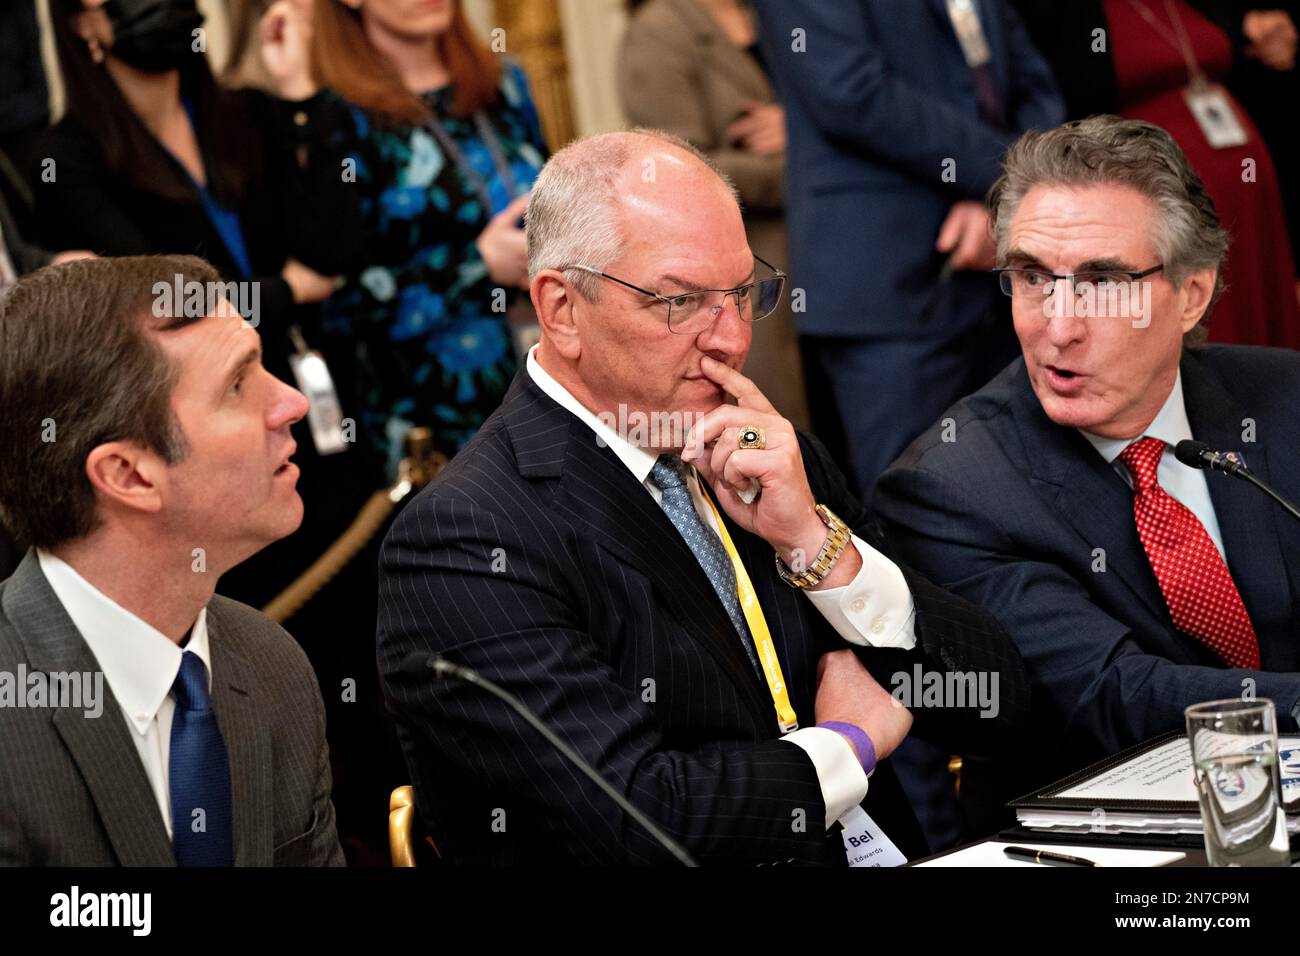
153	35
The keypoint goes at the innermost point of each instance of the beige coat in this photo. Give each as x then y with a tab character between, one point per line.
681	73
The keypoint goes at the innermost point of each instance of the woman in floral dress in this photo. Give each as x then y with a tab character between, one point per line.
443	143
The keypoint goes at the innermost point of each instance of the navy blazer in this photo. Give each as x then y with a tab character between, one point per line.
538	559
1017	513
878	99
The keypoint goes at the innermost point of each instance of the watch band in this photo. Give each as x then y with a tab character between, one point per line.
838	539
866	749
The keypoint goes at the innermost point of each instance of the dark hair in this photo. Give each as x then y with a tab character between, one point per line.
95	103
79	367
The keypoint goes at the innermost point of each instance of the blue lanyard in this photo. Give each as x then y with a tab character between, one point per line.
475	178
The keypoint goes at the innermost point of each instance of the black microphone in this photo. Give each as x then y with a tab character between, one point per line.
1195	454
417	662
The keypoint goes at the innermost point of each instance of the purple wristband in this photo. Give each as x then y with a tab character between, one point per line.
866	749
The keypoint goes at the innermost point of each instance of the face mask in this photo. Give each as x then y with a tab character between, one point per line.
153	35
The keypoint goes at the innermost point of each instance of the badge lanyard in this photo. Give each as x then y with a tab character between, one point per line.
1195	77
476	180
785	716
324	414
1208	102
970	33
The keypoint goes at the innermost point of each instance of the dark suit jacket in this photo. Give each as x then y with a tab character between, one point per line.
1011	511
537	559
877	101
72	789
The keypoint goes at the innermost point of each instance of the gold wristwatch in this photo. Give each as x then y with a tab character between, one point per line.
839	538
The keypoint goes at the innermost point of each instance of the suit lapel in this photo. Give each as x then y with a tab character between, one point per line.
102	747
248	746
600	497
1088	495
1248	520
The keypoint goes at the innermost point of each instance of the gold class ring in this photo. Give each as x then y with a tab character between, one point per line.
751	436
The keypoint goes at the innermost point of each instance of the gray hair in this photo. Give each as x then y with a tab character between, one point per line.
1108	150
572	215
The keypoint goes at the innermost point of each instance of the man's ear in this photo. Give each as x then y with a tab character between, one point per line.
127	475
555	304
1198	288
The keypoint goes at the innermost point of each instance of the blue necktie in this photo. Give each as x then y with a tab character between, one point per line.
669	475
199	773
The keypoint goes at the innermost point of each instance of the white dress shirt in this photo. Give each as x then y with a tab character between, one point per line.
874	609
1186	485
140	665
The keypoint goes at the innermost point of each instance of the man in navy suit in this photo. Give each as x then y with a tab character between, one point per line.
599	551
898	115
1134	585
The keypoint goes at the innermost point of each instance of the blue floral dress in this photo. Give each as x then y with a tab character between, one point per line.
426	322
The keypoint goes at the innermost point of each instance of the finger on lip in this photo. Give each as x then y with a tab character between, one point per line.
714	370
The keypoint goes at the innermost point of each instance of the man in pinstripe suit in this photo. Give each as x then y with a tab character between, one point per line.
606	572
144	450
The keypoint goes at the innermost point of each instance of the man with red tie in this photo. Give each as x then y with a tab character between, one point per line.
1134	585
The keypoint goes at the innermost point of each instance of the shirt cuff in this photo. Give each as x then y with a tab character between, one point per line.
838	771
875	609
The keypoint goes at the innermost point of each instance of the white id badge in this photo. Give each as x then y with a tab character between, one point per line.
865	844
324	414
966	22
1215	115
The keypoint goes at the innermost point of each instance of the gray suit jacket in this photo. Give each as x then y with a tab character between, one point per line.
72	789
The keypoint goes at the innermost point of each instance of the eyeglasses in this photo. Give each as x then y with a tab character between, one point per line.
1024	283
693	312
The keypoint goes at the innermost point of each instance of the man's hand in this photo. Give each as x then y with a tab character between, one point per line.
965	233
1272	38
784	513
760	129
846	692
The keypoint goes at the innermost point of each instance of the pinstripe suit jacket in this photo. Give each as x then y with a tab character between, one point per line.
72	789
537	559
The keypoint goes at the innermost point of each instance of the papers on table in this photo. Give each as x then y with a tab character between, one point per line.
989	853
1148	789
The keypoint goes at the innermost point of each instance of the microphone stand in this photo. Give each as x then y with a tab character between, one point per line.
445	668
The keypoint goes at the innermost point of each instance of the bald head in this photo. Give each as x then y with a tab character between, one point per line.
598	194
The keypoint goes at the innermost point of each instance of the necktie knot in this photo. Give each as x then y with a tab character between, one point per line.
669	472
1142	459
191	684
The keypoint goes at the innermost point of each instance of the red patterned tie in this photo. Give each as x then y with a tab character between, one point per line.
1202	599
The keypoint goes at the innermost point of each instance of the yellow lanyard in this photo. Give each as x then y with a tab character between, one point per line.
785	716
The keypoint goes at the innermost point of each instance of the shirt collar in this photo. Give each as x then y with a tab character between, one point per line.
139	662
1170	425
638	460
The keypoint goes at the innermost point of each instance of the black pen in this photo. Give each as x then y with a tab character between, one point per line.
1045	857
